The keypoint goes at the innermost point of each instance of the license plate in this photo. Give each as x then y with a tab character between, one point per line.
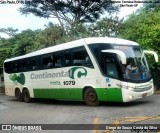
144	95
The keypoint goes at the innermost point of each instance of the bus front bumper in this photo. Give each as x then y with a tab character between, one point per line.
129	95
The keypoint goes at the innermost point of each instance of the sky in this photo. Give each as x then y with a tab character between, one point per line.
11	17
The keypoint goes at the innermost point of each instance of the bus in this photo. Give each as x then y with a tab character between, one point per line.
89	69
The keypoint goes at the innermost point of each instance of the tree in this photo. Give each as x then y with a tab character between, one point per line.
5	53
24	42
108	26
143	28
69	11
152	5
50	36
19	44
9	31
80	31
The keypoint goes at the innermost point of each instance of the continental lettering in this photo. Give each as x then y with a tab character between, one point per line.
46	75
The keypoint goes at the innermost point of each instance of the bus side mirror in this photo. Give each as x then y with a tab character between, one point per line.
151	52
120	54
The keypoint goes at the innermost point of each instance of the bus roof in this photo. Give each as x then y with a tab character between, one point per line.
76	43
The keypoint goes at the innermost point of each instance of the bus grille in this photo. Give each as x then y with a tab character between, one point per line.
140	89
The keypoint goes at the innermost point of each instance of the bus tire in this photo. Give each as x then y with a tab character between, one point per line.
90	97
26	96
18	94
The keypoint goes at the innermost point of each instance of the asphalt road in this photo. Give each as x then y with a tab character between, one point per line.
40	111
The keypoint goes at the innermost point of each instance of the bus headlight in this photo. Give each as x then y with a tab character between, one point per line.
131	97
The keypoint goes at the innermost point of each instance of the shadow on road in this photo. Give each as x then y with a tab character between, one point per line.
58	102
133	103
82	103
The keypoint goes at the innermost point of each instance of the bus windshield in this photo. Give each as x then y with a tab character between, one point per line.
136	68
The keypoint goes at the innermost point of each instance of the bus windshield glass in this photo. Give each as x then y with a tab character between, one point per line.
136	68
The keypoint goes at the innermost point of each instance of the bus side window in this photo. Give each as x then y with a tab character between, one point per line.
78	56
67	60
81	57
88	62
15	67
33	64
58	59
48	62
24	66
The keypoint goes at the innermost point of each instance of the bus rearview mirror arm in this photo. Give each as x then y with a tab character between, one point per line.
120	54
151	52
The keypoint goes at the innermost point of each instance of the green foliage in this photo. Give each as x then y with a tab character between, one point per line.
108	26
80	31
143	28
24	42
5	53
17	45
50	36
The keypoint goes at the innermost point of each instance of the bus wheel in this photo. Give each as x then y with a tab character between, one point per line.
18	95
26	96
90	97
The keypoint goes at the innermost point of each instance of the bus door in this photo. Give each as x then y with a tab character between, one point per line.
112	72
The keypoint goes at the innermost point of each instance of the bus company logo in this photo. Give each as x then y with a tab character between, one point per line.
19	78
78	71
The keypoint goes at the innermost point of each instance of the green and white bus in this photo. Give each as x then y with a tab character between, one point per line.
89	69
